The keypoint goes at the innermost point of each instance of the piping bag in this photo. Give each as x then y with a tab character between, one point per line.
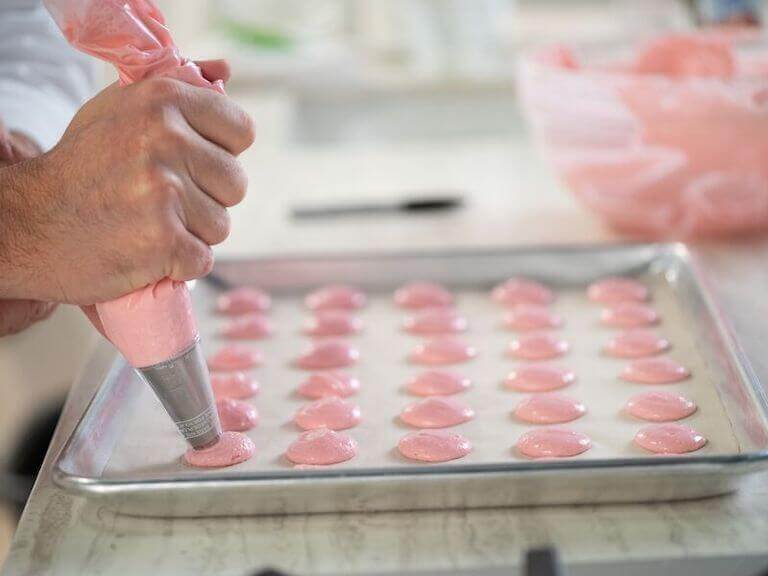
154	327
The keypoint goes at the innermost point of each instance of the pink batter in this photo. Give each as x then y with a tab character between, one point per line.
423	295
434	446
438	383
636	344
521	291
321	447
443	350
669	439
235	357
617	289
539	346
661	370
325	384
553	443
436	321
332	323
336	297
525	317
660	406
232	448
150	325
331	412
328	354
539	378
549	409
248	327
436	412
236	415
629	315
243	300
238	385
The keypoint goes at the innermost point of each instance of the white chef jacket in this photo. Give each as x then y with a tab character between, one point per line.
43	81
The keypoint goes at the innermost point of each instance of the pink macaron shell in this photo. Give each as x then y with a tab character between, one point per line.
236	415
660	406
238	385
616	289
336	297
232	448
442	350
538	346
629	315
332	383
553	443
321	447
332	323
669	438
436	412
327	355
234	357
517	291
434	446
248	327
436	321
539	378
243	300
438	383
637	343
549	409
524	317
660	370
331	412
415	295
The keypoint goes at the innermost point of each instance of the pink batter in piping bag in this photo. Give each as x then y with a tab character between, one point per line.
153	327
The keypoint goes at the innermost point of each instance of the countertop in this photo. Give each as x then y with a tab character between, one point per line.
512	200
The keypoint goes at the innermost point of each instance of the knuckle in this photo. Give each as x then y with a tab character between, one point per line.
160	91
221	226
237	183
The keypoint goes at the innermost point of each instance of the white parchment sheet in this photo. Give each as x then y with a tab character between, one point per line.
151	445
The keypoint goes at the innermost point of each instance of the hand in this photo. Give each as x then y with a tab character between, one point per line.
136	190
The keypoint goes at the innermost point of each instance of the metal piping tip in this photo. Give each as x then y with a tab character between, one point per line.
183	386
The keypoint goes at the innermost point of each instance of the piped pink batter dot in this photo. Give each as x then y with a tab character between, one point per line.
336	297
660	406
321	447
325	384
531	317
243	300
423	295
434	446
331	412
436	412
328	354
436	321
549	409
443	350
332	323
232	448
617	289
521	291
236	415
669	439
655	371
234	357
539	378
629	315
248	327
238	385
540	346
636	344
438	383
553	443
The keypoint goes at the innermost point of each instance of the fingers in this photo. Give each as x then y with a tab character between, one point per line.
215	70
193	259
217	173
204	216
17	315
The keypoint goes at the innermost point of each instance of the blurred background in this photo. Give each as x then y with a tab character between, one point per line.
368	96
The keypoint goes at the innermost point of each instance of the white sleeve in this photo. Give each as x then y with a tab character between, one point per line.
43	81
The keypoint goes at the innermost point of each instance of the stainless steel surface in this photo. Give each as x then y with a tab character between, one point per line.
183	386
81	465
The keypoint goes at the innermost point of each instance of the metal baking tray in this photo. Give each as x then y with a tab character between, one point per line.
124	452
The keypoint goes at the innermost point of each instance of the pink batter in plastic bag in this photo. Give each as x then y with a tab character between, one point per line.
155	323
